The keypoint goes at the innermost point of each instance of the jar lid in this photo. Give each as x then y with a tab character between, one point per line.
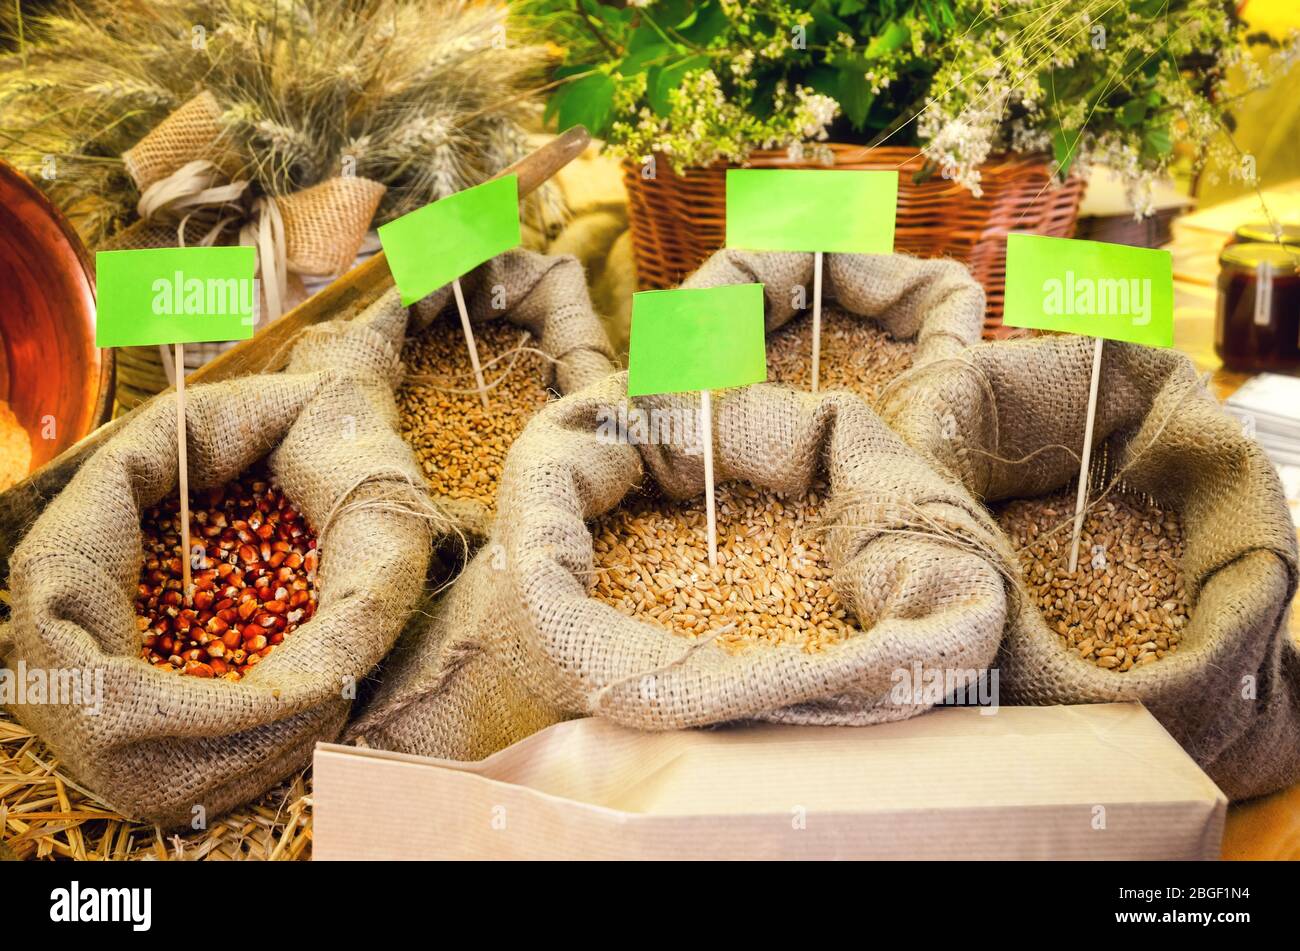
1283	257
1263	232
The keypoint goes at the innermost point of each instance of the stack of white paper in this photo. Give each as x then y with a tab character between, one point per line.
1268	406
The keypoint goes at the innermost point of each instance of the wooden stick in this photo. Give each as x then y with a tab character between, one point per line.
469	341
1082	496
183	469
710	504
817	320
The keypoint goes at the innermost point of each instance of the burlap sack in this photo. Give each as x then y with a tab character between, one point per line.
548	297
517	644
933	301
161	745
1231	694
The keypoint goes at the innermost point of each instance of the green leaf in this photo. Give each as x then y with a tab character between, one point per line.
1157	141
645	47
1131	113
707	22
1064	147
614	18
670	13
823	79
662	80
764	97
855	96
891	38
643	36
588	102
849	7
826	25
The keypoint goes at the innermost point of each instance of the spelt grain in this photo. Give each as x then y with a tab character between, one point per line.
772	582
460	446
856	354
1126	604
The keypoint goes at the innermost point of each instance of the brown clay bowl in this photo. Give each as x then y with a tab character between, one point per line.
58	383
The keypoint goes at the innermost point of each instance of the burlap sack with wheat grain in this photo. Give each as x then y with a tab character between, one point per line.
933	301
1231	694
162	744
548	298
518	644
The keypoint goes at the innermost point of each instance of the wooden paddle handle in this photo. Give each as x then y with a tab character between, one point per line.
538	167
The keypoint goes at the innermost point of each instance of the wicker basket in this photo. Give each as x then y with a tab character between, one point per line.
679	220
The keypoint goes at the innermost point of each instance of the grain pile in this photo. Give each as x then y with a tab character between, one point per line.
771	586
15	448
1126	605
856	354
254	583
44	814
462	447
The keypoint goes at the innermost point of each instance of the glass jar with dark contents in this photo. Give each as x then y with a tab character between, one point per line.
1257	327
1262	232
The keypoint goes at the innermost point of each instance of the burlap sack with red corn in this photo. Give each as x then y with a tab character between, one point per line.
164	744
518	644
932	301
1000	418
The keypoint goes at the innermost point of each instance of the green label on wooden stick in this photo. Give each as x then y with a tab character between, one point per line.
810	210
174	295
705	338
1090	288
432	246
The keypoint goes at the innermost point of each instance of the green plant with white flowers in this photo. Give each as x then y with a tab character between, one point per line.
1119	81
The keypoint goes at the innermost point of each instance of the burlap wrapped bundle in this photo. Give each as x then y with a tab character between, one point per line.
1003	418
517	644
185	169
933	301
187	172
162	744
548	297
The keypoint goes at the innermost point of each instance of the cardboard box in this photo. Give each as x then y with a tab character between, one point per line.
1103	781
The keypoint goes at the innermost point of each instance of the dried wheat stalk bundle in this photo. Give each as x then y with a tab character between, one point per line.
424	97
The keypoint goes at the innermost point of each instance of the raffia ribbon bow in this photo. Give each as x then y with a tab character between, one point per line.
189	196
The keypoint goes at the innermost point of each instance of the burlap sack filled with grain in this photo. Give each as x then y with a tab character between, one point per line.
519	643
1231	693
555	344
881	313
161	744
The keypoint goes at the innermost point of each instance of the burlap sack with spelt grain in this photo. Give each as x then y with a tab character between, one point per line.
1231	694
933	301
548	297
161	743
518	644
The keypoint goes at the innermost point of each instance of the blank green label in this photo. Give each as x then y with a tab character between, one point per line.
705	338
174	295
432	246
810	210
1090	288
